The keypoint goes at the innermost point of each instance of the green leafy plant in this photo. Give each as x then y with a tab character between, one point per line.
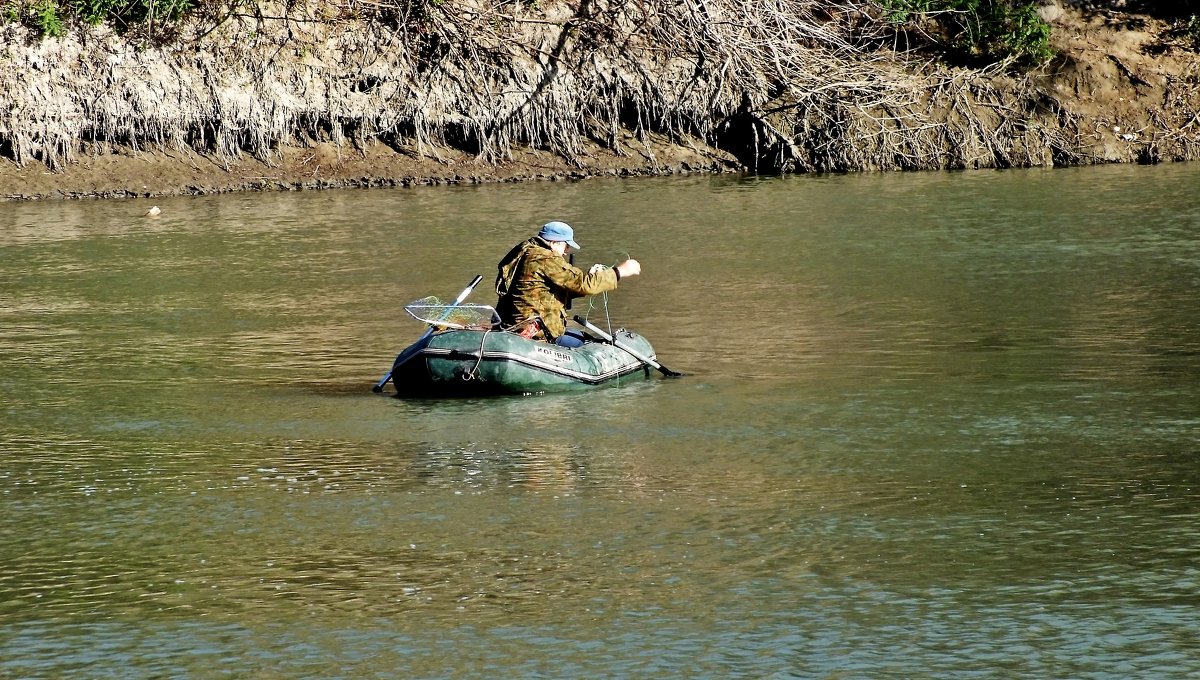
1021	32
904	11
10	12
1191	31
93	11
978	30
126	13
51	18
45	17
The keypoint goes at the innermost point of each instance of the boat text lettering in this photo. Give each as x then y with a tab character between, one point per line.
556	355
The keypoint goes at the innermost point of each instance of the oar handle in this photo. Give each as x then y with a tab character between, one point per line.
467	291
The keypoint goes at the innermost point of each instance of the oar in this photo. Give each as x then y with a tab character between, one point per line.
636	355
416	346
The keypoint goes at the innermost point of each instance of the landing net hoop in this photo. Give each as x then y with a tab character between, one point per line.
434	312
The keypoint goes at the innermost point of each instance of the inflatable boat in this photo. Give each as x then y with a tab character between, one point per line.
466	362
466	352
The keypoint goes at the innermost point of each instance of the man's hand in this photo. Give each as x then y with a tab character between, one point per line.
629	267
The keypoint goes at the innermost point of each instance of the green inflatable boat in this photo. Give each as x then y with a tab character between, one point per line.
467	363
465	352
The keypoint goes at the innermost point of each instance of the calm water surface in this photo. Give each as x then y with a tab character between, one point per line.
934	425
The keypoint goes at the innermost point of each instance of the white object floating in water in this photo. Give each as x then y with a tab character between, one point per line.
153	212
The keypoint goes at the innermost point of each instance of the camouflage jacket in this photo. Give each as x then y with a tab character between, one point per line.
535	281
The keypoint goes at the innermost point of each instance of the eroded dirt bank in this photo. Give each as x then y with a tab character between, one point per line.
122	172
303	100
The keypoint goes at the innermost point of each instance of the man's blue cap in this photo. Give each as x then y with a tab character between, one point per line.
559	231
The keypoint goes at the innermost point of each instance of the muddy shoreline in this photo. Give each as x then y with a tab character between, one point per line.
153	173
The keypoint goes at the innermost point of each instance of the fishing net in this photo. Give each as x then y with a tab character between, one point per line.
437	313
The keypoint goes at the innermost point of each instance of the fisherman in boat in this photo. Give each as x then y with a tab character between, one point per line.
535	283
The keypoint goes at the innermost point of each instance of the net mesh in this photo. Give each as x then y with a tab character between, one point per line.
437	313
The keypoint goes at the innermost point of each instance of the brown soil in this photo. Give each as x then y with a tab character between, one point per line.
324	166
1123	74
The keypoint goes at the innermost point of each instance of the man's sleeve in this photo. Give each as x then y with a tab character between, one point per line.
580	283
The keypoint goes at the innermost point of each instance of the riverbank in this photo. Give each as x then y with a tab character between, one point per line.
304	101
125	173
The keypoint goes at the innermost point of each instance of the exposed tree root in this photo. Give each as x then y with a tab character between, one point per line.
783	85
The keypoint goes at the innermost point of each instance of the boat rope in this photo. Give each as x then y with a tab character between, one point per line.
607	315
473	374
604	299
607	318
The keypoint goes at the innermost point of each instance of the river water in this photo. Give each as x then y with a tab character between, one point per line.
933	425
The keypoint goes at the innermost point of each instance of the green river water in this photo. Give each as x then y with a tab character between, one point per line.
934	425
